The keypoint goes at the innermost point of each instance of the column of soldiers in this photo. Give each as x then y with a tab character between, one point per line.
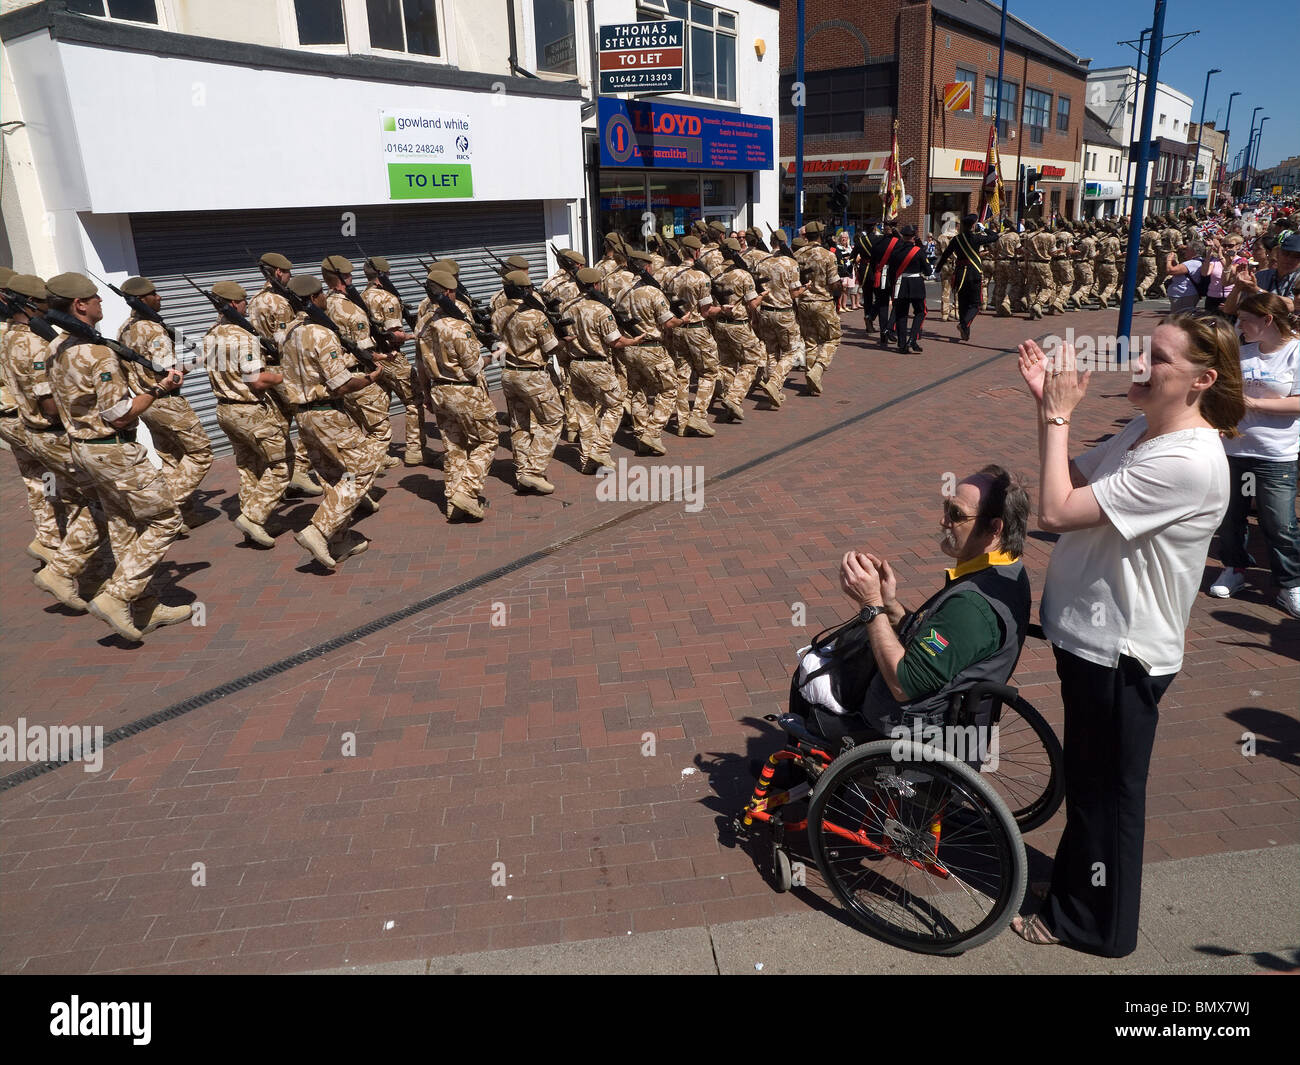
639	340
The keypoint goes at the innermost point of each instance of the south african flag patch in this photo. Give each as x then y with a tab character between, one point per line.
934	643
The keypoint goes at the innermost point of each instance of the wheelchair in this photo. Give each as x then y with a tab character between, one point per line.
921	843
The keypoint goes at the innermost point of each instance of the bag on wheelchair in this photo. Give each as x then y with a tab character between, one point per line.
834	671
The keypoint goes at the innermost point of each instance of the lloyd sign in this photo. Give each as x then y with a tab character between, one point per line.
642	57
428	155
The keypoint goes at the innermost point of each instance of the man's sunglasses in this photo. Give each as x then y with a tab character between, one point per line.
953	515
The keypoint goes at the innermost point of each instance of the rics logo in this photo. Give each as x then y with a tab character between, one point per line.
462	144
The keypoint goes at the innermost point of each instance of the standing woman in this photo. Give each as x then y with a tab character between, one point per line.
1264	455
1136	516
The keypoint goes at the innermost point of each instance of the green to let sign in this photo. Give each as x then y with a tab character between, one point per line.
417	181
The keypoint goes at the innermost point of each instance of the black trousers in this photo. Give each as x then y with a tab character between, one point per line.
901	308
1110	727
882	309
968	295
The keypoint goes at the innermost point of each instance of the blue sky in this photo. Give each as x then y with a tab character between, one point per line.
1252	43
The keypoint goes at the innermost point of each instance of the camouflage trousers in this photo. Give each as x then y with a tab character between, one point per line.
295	454
78	524
50	522
1146	275
1007	287
181	443
740	354
947	291
1039	290
986	285
396	381
1084	282
258	441
695	354
651	379
1107	281
468	423
779	331
143	518
345	459
599	401
369	408
1062	282
819	324
536	418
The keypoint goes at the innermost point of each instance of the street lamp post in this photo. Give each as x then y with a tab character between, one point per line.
1259	136
1227	129
1137	85
1200	132
1245	185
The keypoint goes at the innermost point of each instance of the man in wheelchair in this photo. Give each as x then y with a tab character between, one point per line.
893	667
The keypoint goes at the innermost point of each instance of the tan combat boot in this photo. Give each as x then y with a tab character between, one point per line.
302	483
462	502
64	589
40	552
255	532
313	540
155	615
116	615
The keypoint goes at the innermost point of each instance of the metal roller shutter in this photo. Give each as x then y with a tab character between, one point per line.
214	246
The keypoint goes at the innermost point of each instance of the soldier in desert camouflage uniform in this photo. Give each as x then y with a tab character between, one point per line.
1084	278
648	369
778	327
453	364
596	389
177	434
1062	266
317	376
532	400
819	321
691	344
1004	269
740	352
395	378
96	406
711	259
270	313
563	286
1108	250
68	528
241	382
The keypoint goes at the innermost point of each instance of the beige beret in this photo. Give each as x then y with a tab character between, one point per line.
229	290
276	261
138	286
336	264
26	285
305	285
71	286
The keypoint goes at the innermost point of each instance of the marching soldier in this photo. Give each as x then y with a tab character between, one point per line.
966	250
369	405
711	259
615	248
316	378
177	433
1148	259
880	285
779	329
691	344
68	533
1039	290
1084	278
270	313
453	363
907	267
512	264
740	352
95	404
819	321
532	401
1062	267
1108	249
386	309
1004	269
947	273
563	286
648	370
242	383
596	391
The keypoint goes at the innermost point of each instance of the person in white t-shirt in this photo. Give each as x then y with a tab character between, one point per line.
1262	460
1136	515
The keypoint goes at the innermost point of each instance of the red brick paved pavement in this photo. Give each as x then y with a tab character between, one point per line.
520	743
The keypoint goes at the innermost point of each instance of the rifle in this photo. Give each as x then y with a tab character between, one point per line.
77	328
480	323
735	259
318	317
143	310
625	324
385	282
779	247
226	309
383	341
18	304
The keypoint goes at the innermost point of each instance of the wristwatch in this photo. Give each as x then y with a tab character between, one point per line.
1058	420
868	614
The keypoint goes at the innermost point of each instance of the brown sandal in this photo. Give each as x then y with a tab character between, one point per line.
1032	930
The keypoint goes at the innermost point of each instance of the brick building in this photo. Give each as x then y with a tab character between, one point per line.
869	63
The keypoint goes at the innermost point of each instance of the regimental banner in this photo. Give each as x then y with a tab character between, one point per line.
640	134
428	154
956	96
642	57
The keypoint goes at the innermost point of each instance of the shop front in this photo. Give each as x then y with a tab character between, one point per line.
1101	198
861	173
663	167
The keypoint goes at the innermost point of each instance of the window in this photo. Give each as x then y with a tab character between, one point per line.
1162	120
836	101
555	36
1009	91
403	26
710	45
1063	114
319	21
126	10
1037	107
968	76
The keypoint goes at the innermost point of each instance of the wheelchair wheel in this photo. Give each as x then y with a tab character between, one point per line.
782	875
920	850
1026	768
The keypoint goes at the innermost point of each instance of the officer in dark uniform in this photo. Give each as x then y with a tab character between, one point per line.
907	267
881	283
965	248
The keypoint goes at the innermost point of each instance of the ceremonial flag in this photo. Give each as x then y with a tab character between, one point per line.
991	193
891	182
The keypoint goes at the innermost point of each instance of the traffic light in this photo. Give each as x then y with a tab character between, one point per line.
1033	197
839	197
